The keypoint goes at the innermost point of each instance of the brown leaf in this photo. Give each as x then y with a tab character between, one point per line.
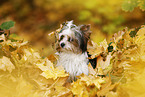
52	58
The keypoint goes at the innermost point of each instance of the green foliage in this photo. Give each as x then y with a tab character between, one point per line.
90	4
84	15
109	28
142	4
129	5
96	12
7	25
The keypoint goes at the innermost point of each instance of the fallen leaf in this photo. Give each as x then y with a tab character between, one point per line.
6	64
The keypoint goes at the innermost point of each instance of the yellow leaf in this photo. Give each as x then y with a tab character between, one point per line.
79	89
6	64
104	44
140	36
103	66
107	87
15	44
95	50
91	70
30	53
60	91
49	71
90	80
26	89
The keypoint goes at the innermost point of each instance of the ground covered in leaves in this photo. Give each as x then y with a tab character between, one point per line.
119	72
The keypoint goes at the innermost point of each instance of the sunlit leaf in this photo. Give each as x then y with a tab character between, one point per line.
107	87
49	71
6	64
95	50
79	89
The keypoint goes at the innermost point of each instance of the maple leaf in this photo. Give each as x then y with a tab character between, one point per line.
87	85
90	80
24	85
91	70
14	44
95	50
30	53
107	87
104	66
79	89
49	71
6	64
60	91
140	36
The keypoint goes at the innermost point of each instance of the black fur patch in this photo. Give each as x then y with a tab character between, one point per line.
83	44
81	41
85	36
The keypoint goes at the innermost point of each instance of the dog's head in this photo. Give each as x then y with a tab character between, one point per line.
72	38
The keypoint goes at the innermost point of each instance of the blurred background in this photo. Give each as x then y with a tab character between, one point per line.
34	19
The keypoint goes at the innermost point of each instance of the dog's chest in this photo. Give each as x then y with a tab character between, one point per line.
74	64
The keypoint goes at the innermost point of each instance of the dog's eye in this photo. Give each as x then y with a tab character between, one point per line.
70	39
73	26
5	34
61	37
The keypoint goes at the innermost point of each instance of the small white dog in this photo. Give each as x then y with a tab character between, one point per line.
72	49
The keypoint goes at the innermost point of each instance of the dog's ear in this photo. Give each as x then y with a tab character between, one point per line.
85	27
85	31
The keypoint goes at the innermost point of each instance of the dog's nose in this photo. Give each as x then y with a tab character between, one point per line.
62	45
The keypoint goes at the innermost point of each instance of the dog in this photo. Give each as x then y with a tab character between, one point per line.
72	49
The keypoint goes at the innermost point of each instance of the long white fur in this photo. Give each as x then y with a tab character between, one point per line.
74	64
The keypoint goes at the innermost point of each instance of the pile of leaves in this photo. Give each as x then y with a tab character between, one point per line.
119	71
